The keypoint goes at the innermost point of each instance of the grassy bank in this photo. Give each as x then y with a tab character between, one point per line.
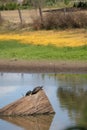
14	49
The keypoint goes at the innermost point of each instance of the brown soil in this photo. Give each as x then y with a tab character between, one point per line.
13	16
15	65
29	15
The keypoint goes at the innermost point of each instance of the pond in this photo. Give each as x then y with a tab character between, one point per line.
66	92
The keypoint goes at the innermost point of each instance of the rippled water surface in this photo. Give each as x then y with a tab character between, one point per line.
66	92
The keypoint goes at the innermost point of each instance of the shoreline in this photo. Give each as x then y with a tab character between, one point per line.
43	66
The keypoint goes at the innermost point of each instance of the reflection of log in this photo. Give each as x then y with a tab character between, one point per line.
29	105
41	122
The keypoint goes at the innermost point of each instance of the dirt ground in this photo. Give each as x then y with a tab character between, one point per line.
29	15
15	65
13	16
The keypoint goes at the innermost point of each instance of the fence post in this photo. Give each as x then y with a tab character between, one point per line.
20	16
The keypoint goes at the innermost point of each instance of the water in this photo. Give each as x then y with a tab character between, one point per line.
66	92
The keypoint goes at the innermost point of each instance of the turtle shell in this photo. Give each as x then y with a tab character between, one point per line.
28	93
37	89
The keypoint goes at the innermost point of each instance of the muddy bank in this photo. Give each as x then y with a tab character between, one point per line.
43	66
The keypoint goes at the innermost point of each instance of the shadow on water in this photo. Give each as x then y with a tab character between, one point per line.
40	122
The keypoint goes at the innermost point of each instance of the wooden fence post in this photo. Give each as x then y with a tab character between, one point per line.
20	16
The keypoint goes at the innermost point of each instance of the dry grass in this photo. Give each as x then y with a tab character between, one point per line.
13	16
27	15
32	16
61	20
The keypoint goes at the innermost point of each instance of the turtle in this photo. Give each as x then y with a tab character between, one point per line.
37	89
28	93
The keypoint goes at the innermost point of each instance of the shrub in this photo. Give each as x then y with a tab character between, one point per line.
61	20
80	4
10	6
1	7
37	24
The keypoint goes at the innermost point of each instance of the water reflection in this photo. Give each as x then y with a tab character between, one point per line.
73	97
76	128
66	92
41	122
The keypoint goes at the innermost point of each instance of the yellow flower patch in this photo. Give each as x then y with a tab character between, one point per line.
58	38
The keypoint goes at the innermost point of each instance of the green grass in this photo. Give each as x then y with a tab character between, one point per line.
14	49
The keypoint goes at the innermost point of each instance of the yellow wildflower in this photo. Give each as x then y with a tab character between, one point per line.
58	38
